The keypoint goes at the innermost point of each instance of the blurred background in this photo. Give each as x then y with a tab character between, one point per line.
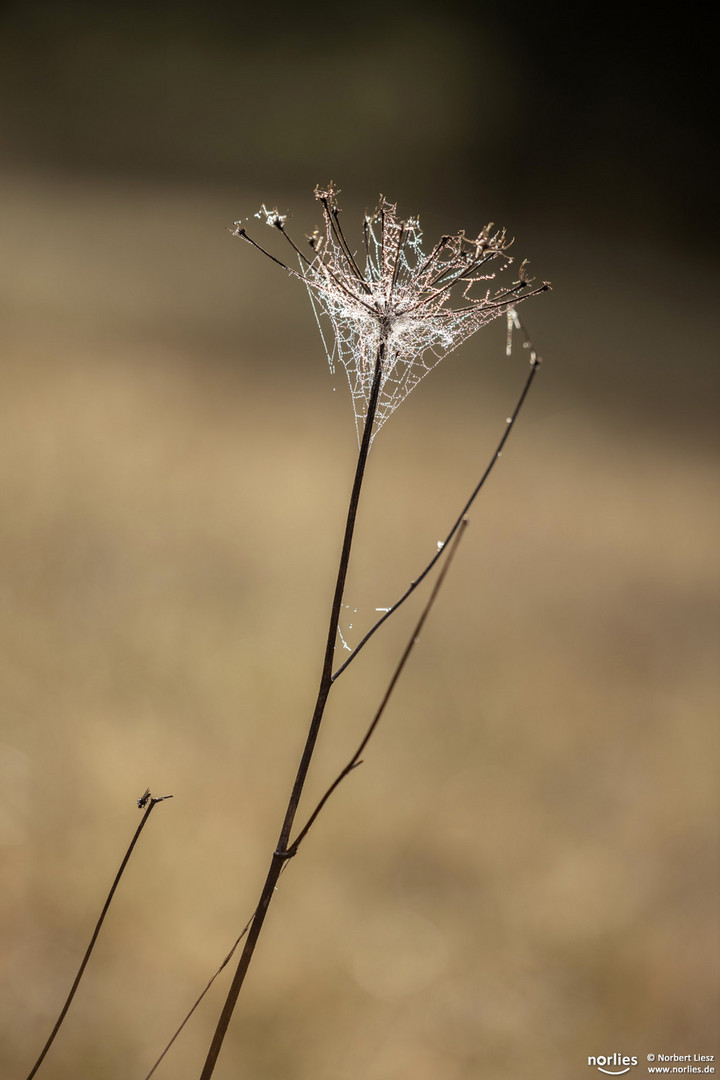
524	871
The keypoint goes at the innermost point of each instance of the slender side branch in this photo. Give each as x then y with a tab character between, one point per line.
222	967
145	801
535	363
281	853
210	982
355	760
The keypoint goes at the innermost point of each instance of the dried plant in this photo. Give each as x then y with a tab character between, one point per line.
394	312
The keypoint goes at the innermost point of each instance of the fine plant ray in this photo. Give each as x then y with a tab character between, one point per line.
201	996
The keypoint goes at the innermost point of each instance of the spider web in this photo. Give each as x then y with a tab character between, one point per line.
415	340
393	302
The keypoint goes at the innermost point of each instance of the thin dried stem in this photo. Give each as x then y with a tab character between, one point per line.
241	232
208	986
333	219
148	802
222	967
355	759
281	228
510	297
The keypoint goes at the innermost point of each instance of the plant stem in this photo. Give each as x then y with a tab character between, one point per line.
281	853
151	803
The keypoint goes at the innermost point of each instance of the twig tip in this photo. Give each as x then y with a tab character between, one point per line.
147	797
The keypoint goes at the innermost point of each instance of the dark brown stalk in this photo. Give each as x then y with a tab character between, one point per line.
432	257
462	272
460	277
281	853
507	300
150	802
243	235
303	257
535	365
368	261
239	231
396	267
335	224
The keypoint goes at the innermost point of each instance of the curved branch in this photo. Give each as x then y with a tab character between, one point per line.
147	802
355	759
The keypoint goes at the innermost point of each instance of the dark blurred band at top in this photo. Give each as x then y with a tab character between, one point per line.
577	109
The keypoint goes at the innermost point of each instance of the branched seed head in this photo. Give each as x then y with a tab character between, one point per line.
389	291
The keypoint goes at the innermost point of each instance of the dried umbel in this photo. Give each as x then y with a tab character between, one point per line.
420	307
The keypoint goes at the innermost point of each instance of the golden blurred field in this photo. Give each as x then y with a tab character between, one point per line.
524	871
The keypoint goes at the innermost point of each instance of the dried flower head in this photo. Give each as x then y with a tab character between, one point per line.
419	306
